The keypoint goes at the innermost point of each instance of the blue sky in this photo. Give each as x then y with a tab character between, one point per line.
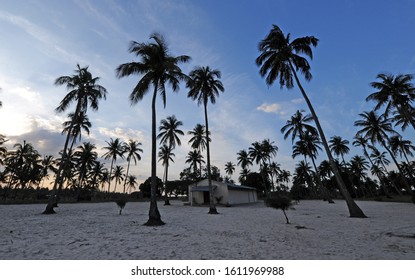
42	40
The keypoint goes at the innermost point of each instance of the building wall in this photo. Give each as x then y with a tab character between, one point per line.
237	197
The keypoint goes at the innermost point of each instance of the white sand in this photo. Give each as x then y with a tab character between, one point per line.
318	230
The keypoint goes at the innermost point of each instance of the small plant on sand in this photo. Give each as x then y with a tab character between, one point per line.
121	202
279	201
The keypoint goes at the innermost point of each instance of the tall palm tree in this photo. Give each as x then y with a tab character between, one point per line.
158	67
118	176
85	92
361	141
229	168
204	86
48	164
198	141
297	125
259	155
131	181
169	135
281	57
338	146
115	149
244	160
98	174
376	129
165	156
85	157
132	150
404	148
396	92
195	158
76	124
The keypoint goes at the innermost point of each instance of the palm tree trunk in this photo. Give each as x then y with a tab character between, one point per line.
166	197
126	175
354	209
154	217
212	208
109	176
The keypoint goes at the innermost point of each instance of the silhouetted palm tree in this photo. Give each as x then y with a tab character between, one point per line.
280	57
338	146
118	176
131	182
297	125
198	141
244	160
376	129
204	86
132	150
169	135
85	157
85	91
194	158
76	124
229	168
165	156
395	92
158	67
115	149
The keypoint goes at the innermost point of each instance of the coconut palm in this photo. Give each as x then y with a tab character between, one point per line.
260	156
158	67
76	124
131	182
376	129
115	149
169	135
361	141
357	166
85	157
229	168
297	125
204	86
117	175
395	92
244	160
338	146
85	92
403	148
48	164
195	158
132	150
98	174
281	57
165	156
198	141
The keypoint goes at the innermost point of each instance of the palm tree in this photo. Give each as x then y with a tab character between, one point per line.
361	141
204	86
132	149
98	174
158	67
76	124
48	164
85	91
229	168
115	149
165	156
131	181
194	158
280	57
85	158
169	135
3	149
118	175
358	165
297	125
198	140
258	153
244	160
395	92
404	148
338	146
376	128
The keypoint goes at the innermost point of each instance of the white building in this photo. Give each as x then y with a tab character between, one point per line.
223	193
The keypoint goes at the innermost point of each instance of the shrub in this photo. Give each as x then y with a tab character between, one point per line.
279	201
121	202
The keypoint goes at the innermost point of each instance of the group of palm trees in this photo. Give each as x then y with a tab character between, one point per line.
281	60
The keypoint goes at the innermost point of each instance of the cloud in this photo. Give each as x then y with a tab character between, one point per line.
121	133
297	101
271	108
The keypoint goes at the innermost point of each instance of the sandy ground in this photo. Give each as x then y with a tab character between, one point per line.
318	231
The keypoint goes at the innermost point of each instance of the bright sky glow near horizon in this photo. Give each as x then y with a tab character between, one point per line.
43	40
